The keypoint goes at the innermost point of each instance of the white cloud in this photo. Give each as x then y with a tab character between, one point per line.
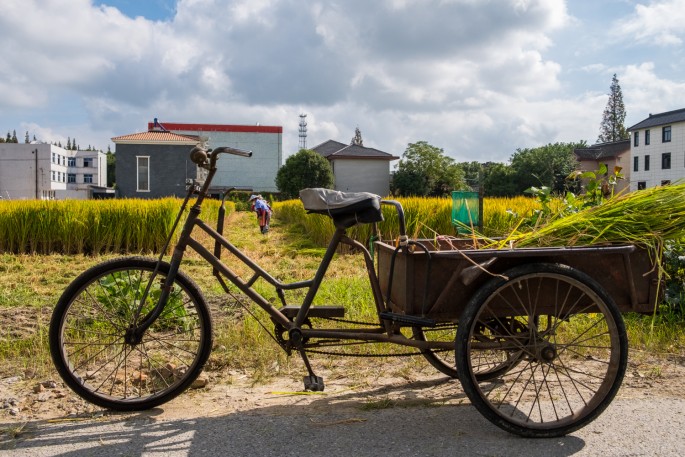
660	22
472	77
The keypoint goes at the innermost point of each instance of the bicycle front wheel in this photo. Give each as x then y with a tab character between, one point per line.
89	325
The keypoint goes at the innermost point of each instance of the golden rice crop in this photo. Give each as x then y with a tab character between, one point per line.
425	217
90	226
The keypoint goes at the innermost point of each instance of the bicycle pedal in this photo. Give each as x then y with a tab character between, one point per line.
313	383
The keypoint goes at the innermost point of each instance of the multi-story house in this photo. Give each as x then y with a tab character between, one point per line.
657	148
45	171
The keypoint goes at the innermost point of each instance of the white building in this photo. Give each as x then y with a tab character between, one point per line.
257	172
45	171
657	149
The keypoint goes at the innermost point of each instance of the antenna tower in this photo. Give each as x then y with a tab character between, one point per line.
303	132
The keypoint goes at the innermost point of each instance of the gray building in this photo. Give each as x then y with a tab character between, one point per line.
45	171
357	168
257	172
153	164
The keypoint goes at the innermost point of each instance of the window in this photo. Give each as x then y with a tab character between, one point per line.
646	163
71	178
54	157
87	162
666	134
636	163
53	175
646	137
666	161
666	182
143	181
71	162
88	179
636	139
641	185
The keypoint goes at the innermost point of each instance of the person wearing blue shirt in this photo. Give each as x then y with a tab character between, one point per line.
263	210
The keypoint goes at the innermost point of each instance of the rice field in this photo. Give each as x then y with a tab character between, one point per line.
425	218
90	226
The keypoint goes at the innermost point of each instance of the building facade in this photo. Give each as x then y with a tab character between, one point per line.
45	171
612	155
357	168
257	172
154	164
657	147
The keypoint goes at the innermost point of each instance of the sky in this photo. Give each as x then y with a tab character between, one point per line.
477	78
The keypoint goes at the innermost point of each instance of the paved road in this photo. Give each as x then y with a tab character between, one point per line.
629	427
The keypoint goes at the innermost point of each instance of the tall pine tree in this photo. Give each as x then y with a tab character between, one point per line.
612	127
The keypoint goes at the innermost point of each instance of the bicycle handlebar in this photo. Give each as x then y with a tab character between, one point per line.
200	155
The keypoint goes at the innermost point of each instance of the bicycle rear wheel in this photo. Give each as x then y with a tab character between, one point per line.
89	324
558	342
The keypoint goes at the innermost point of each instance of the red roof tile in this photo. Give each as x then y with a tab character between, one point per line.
156	137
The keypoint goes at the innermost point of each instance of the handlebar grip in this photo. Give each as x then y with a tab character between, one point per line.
234	151
198	155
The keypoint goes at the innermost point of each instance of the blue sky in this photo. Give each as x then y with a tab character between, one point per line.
477	78
154	10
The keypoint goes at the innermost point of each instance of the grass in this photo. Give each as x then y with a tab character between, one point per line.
30	285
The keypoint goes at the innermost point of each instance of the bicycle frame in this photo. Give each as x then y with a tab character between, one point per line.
383	331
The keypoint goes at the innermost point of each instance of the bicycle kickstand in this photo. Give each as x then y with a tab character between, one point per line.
312	382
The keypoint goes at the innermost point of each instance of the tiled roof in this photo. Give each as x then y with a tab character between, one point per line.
156	137
603	150
333	150
329	147
669	117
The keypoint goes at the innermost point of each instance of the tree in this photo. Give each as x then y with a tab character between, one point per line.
473	172
14	137
68	144
304	169
425	170
111	168
548	166
26	138
357	139
499	180
612	128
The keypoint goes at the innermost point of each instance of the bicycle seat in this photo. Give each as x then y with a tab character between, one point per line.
345	208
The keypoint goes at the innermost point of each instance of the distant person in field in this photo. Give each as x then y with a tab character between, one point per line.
263	210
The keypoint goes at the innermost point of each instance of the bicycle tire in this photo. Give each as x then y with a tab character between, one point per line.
443	361
90	320
570	359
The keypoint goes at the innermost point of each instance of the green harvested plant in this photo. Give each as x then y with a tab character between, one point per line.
647	217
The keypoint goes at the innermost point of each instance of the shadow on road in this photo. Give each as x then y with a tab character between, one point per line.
357	424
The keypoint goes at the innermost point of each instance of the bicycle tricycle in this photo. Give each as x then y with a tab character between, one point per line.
535	335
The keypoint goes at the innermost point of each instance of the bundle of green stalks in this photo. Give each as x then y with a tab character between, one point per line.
646	217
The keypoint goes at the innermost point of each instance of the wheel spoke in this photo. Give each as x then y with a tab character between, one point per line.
95	348
565	335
